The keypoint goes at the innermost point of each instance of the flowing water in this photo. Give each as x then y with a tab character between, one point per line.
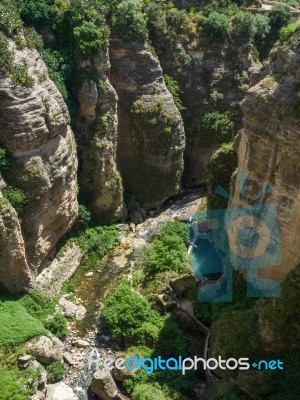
92	291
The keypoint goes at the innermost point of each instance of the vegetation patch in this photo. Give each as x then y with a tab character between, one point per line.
17	325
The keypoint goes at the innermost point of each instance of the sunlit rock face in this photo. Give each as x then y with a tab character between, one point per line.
35	130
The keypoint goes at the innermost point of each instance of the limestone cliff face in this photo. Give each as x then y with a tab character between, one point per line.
34	128
150	133
269	146
96	127
201	67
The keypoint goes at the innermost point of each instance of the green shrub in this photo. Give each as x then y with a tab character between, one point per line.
17	325
168	253
216	26
236	333
57	324
16	197
60	69
130	21
263	27
288	31
244	25
137	278
279	17
10	22
20	76
36	12
55	372
5	160
89	38
146	391
174	88
6	57
216	96
33	39
217	127
12	386
126	311
220	170
100	240
84	216
281	315
176	228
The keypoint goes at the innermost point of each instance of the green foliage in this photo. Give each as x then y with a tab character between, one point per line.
12	386
176	228
55	372
17	325
211	312
244	25
59	68
36	12
216	26
5	160
220	170
57	324
6	57
174	88
279	17
19	75
39	307
89	38
216	127
263	27
226	389
100	240
33	39
281	315
17	72
216	96
84	216
126	311
10	22
168	253
130	21
16	197
146	391
237	332
138	278
288	31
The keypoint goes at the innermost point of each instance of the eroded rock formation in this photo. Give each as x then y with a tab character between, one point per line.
35	130
151	136
269	147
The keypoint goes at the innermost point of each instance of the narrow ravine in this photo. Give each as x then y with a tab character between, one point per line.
92	289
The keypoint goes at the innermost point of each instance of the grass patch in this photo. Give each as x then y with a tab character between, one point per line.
17	325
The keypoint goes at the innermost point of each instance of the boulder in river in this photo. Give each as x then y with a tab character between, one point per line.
46	350
103	385
60	391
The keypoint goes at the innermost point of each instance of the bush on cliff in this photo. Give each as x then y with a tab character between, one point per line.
130	21
216	127
216	26
16	197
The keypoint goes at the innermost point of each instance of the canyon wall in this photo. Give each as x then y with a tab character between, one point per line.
151	136
35	130
96	130
269	147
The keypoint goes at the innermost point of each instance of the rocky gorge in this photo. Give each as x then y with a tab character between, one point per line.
112	134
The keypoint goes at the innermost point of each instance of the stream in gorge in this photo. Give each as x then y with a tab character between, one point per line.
92	291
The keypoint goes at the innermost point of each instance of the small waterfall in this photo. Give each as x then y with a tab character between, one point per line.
85	376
